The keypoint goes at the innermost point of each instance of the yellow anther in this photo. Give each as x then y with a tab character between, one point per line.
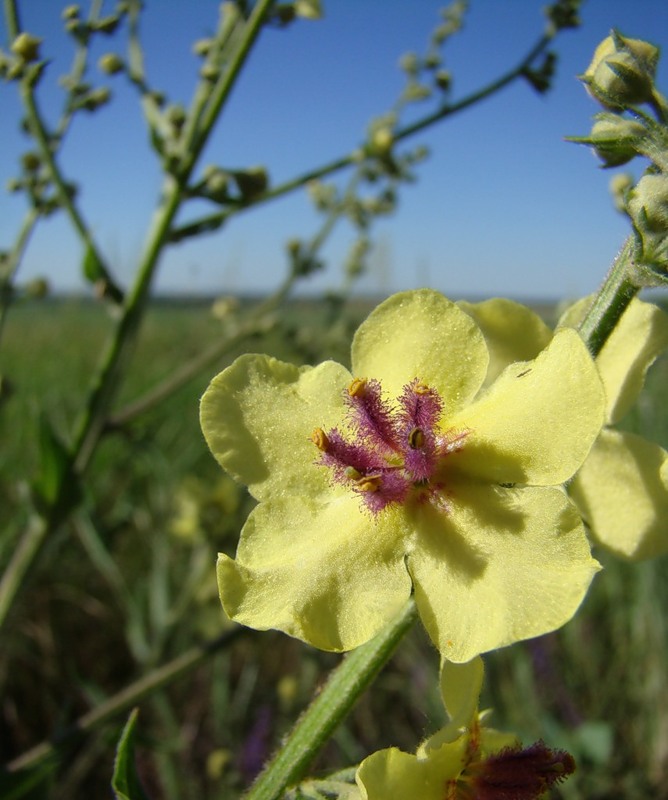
357	387
370	483
416	439
352	474
421	388
320	440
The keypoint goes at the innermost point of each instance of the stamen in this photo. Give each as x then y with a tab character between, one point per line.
357	387
390	452
320	439
416	439
369	483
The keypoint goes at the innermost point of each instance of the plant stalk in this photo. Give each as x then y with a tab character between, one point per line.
611	301
343	688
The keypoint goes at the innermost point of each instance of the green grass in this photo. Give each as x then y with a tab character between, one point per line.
129	584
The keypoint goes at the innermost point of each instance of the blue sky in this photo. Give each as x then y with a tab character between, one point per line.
503	206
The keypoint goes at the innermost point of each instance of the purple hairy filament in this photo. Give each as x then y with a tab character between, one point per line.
390	453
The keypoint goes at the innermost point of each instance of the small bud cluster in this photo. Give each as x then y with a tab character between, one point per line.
621	77
34	179
23	62
426	73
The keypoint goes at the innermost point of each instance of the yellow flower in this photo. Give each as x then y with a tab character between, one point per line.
408	476
622	488
465	760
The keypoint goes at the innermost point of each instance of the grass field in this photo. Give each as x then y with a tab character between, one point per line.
128	585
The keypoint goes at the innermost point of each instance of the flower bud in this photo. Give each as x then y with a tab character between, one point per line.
71	12
308	9
216	180
443	79
30	161
251	182
614	138
110	63
202	47
647	206
619	187
176	116
97	98
210	72
26	47
381	141
622	71
409	63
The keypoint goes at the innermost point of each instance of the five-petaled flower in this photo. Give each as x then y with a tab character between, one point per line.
408	475
466	760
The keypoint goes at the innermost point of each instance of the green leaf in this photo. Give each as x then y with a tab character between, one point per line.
56	481
125	781
91	266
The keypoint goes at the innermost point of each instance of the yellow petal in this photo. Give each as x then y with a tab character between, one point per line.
324	572
258	415
622	492
461	685
501	566
537	422
421	334
390	774
640	336
513	332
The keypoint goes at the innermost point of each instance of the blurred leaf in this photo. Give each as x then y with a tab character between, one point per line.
125	781
91	267
56	480
595	741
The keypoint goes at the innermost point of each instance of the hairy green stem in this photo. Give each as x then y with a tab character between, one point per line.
335	700
126	698
212	222
611	301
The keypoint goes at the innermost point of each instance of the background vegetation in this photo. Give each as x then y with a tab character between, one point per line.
107	487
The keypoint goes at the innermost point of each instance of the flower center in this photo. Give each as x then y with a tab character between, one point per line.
390	452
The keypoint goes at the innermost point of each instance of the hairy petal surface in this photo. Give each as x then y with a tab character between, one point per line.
503	565
258	415
317	570
421	334
512	331
622	492
537	422
640	336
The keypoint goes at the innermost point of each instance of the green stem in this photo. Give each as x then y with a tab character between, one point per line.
126	698
12	263
611	301
212	222
344	686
